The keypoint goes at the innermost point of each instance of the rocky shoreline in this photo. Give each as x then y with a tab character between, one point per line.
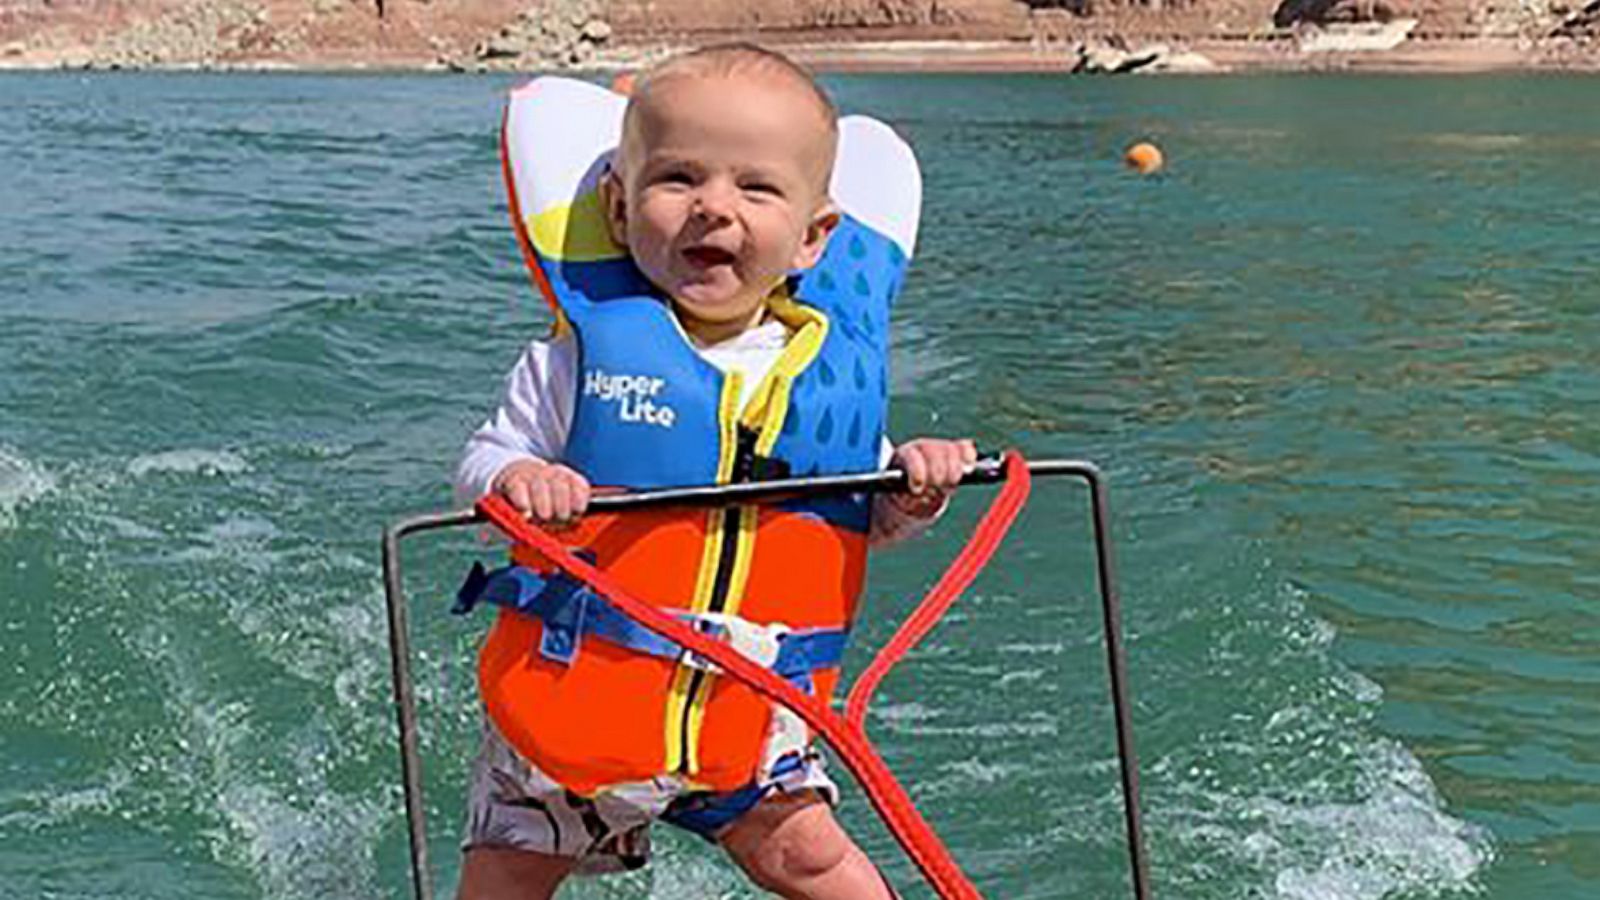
1087	36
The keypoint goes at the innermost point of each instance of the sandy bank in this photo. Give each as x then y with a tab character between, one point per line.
1230	56
1440	56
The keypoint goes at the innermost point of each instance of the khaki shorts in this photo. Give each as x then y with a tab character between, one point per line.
511	804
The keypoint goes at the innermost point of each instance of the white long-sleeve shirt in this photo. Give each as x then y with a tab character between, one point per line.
535	416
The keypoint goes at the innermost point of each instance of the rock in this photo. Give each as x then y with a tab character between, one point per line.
76	58
560	32
1185	62
1365	37
1099	59
501	46
556	34
1106	59
971	20
1581	25
15	48
1148	55
1324	12
1112	57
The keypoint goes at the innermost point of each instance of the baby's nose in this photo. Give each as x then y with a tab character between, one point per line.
714	200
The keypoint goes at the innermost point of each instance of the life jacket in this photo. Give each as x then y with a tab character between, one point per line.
581	692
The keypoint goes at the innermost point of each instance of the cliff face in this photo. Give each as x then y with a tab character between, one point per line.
553	33
299	32
972	20
1223	19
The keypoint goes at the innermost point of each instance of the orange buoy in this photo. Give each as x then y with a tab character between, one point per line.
622	83
1145	158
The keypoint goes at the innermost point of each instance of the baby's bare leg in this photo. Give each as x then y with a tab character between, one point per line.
792	846
495	873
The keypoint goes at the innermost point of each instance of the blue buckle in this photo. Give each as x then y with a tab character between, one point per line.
511	586
471	590
566	606
569	611
710	626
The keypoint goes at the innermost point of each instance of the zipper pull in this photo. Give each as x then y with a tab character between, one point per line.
744	455
747	466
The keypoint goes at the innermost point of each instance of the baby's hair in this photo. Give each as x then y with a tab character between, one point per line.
741	57
731	60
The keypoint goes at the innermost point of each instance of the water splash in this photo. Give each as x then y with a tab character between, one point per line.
194	461
1299	794
21	483
1397	839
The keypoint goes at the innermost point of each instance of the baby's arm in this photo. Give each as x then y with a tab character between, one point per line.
511	453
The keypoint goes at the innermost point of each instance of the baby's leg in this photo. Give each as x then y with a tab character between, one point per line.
791	845
526	833
497	873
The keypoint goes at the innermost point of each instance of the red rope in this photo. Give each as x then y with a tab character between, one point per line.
845	733
986	537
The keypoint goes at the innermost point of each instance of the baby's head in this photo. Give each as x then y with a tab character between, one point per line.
719	188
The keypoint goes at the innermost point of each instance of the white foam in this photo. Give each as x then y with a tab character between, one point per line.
1387	835
47	809
1335	810
974	771
305	841
1396	840
21	483
1022	676
192	461
242	541
1046	648
1481	142
323	850
278	805
911	711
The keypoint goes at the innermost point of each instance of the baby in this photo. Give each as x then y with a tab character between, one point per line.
719	192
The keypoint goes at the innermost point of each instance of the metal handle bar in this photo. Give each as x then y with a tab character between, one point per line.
989	470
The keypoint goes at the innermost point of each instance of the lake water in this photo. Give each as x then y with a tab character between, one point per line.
1338	362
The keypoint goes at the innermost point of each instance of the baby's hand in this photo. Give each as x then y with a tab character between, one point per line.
548	492
933	467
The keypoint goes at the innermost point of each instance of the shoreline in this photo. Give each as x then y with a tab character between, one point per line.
1230	56
1437	56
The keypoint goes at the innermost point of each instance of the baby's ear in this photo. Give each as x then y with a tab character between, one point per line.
822	224
614	204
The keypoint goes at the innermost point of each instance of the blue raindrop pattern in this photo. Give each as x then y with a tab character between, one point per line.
824	435
838	418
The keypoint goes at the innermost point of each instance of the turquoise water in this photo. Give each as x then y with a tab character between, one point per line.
1336	361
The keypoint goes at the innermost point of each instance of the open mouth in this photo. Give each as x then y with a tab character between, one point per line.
706	257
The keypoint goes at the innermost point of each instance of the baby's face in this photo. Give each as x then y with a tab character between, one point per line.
720	191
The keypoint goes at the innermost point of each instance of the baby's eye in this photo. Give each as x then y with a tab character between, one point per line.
766	188
674	176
